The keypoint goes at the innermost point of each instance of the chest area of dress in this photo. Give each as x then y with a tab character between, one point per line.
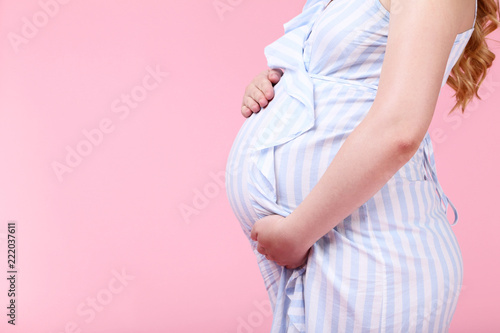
346	33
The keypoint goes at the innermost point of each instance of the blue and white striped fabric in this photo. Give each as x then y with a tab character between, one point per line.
394	264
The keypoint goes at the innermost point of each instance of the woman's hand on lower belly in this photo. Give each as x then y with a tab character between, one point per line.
277	244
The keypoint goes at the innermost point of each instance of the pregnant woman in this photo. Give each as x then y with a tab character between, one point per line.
334	182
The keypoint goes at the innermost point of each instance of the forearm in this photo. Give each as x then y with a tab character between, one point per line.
369	157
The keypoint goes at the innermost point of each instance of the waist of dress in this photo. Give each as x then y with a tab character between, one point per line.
353	83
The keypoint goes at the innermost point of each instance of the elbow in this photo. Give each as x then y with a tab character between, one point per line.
401	131
406	145
405	137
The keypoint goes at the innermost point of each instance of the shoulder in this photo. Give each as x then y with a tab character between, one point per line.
458	15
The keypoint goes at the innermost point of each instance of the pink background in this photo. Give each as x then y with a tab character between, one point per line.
117	211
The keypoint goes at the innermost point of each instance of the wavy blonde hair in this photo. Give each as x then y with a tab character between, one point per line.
471	68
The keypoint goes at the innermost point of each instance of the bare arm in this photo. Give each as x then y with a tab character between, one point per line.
421	35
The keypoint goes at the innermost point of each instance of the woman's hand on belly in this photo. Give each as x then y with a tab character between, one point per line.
277	243
260	91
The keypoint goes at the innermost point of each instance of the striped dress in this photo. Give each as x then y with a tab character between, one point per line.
394	264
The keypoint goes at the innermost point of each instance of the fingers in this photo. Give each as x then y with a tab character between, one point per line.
253	234
275	75
261	249
260	91
253	101
245	111
266	84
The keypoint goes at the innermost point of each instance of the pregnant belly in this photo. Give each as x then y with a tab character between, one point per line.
277	180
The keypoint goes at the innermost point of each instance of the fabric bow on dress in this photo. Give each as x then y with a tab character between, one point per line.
286	53
295	113
293	117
